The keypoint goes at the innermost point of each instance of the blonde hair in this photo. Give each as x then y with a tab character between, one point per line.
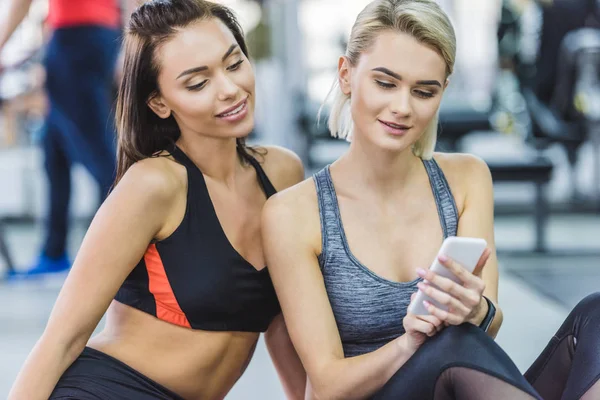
425	21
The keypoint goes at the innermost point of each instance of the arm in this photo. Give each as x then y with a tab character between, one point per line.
286	360
477	220
465	301
291	232
285	169
16	12
114	243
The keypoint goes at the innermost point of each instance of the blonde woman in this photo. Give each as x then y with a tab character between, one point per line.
344	248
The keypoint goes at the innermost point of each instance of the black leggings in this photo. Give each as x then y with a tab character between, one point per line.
464	363
569	366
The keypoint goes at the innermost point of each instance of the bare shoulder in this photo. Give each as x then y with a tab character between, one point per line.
295	211
469	178
463	170
156	177
282	166
297	200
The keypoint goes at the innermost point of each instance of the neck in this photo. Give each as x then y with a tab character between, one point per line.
216	158
379	171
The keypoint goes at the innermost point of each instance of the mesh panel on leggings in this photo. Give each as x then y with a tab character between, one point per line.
460	383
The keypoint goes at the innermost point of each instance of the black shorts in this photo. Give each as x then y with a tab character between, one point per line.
98	376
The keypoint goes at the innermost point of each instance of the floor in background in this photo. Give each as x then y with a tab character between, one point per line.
562	279
569	271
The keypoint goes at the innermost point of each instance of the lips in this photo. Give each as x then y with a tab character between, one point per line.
395	126
234	109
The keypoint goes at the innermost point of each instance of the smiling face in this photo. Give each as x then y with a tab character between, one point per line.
395	90
206	82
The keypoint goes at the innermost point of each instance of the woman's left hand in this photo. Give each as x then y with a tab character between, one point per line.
464	302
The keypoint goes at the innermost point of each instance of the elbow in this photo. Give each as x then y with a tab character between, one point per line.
74	348
328	392
67	347
497	323
335	381
499	317
321	391
327	387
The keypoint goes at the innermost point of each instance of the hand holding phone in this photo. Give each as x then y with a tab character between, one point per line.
462	250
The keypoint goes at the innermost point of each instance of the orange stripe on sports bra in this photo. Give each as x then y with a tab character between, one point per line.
167	307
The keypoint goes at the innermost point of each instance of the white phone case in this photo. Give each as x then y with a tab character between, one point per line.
465	251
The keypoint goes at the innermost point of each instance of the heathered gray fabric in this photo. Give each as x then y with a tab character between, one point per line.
368	308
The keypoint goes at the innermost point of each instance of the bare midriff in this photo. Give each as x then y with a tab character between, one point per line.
195	364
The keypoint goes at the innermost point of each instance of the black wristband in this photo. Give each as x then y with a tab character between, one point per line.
489	316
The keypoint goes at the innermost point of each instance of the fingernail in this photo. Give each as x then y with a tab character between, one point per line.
421	272
426	303
420	285
442	258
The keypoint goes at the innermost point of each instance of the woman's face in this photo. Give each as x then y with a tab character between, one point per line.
395	89
206	82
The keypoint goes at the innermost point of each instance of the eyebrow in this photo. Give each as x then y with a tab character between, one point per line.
204	67
398	77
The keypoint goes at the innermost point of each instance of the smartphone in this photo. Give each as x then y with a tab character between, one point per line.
464	250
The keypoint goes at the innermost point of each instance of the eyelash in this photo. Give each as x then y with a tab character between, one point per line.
420	93
235	66
424	95
385	85
200	85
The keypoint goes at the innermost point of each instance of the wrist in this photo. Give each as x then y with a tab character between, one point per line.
480	313
490	315
405	350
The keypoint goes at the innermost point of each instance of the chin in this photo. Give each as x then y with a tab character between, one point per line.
241	130
245	128
393	144
397	148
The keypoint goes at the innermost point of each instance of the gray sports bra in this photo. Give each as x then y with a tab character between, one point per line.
368	309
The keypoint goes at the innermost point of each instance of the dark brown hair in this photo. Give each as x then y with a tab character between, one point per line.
141	133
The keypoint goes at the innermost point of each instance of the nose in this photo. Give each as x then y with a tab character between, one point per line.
227	89
401	105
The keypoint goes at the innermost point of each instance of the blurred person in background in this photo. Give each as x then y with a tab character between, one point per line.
80	63
476	62
175	251
344	248
559	17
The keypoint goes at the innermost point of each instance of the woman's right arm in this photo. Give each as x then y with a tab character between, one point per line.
133	214
291	237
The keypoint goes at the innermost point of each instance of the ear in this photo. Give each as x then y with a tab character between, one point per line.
344	75
446	83
157	104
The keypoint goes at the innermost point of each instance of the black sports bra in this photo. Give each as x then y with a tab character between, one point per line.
195	278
